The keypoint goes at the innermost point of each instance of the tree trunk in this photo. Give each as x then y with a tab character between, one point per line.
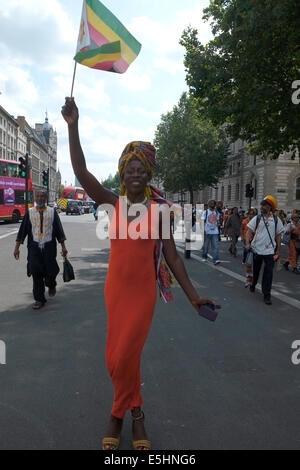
191	196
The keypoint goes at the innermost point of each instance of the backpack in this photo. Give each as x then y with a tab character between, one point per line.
258	219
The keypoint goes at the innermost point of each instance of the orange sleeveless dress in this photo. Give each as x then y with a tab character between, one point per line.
130	296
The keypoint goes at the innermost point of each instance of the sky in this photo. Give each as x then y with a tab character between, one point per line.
38	40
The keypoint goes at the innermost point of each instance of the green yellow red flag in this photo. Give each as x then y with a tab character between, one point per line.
103	42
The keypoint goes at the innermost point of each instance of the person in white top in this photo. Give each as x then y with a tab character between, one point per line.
266	230
211	219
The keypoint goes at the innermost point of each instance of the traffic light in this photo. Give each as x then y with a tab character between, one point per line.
46	178
22	167
249	190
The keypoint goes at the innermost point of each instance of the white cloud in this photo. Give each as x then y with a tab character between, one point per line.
89	94
163	38
19	93
172	66
135	79
36	32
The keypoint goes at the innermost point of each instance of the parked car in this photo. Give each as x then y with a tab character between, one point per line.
74	207
56	207
88	207
81	206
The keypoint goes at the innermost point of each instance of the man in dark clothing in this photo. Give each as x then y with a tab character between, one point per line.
233	227
42	226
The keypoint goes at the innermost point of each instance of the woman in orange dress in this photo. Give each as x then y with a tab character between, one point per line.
130	290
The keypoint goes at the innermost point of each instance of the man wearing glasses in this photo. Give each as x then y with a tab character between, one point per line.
265	230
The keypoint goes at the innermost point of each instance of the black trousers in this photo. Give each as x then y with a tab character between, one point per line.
267	274
234	240
39	283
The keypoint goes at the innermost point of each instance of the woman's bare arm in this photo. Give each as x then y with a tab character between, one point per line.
177	267
88	181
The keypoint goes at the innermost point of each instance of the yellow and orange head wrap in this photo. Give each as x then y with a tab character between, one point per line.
145	153
271	201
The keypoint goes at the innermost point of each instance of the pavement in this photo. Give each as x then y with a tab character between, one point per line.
224	385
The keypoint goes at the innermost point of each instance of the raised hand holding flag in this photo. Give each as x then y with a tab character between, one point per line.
103	42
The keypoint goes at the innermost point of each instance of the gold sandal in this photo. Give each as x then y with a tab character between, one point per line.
144	443
111	442
141	443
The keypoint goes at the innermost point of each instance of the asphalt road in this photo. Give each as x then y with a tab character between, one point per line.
224	385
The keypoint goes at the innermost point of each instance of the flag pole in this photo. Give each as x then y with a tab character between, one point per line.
73	79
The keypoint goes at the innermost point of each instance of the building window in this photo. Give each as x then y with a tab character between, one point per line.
229	193
298	188
237	192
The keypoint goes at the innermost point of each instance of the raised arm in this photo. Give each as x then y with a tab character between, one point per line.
88	181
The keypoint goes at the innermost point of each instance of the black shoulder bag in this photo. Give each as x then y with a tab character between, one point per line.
275	220
68	273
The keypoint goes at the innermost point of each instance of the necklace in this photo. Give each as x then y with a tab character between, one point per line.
129	203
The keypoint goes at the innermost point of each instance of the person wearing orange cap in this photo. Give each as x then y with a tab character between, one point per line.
266	230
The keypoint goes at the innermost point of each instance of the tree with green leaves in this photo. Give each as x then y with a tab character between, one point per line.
191	152
243	77
113	184
60	190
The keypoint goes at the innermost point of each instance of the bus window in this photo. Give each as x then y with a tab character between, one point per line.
3	169
13	170
19	197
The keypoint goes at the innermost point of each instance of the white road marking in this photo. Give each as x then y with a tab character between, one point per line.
8	234
278	295
99	265
90	249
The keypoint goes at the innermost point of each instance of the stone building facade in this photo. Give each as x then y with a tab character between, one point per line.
8	135
17	138
280	178
21	144
42	150
38	156
49	138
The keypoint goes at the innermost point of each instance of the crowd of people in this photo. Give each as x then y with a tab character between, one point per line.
262	233
137	266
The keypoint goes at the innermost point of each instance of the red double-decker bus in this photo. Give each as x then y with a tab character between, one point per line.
12	191
74	192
